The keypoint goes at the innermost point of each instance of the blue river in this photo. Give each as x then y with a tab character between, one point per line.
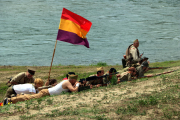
28	31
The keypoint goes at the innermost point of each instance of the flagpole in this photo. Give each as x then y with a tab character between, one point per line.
52	60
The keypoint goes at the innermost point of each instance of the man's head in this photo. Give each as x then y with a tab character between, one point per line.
112	70
53	82
30	72
145	65
73	79
136	43
38	82
69	73
100	71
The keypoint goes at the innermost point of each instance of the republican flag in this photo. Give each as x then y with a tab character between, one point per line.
73	28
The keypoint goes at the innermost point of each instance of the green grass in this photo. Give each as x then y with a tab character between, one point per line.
165	64
3	89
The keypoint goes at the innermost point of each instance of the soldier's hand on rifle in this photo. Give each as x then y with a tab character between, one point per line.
141	55
76	83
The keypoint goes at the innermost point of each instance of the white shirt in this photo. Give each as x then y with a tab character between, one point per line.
133	51
24	88
56	90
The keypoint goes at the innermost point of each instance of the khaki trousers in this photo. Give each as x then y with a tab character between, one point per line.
10	91
42	93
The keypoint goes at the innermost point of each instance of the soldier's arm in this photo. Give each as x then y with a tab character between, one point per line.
47	83
17	78
70	87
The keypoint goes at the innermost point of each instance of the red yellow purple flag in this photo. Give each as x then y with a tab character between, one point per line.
73	28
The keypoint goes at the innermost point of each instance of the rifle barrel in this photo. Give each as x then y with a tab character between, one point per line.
158	67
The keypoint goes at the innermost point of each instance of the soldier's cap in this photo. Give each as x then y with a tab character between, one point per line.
73	77
31	70
145	64
100	69
135	41
70	73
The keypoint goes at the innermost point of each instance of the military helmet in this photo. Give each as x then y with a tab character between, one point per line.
145	64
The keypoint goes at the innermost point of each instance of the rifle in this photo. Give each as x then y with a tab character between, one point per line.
143	59
157	74
141	54
96	77
150	68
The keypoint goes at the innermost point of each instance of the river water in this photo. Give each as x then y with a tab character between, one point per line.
28	31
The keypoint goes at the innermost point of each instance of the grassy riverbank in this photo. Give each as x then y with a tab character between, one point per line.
146	98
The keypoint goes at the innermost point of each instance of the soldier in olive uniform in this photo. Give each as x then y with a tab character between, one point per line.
98	81
132	54
23	77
